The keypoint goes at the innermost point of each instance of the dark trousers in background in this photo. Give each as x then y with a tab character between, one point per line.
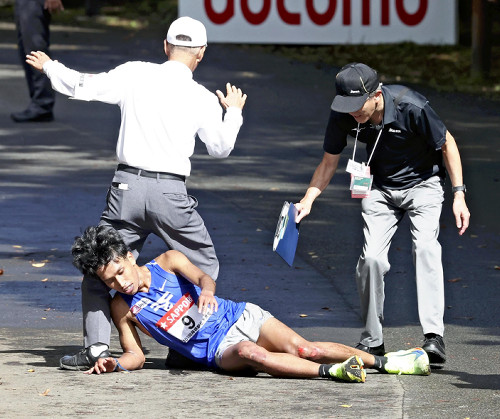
33	34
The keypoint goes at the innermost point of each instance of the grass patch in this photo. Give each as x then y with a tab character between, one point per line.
445	68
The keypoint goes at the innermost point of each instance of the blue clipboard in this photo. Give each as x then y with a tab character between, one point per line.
286	236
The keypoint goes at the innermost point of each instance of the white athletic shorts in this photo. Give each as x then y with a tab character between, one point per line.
247	327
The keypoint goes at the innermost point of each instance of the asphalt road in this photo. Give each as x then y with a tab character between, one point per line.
53	181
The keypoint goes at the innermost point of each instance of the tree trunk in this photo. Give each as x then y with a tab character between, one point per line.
481	39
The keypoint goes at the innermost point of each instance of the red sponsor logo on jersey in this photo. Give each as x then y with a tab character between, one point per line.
176	312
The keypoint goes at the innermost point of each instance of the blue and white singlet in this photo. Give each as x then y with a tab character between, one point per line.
168	311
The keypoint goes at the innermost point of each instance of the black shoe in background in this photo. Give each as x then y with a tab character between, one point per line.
434	346
376	350
29	115
86	358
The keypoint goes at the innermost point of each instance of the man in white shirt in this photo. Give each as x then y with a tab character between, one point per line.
162	111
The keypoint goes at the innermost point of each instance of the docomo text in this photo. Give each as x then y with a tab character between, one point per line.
326	21
407	16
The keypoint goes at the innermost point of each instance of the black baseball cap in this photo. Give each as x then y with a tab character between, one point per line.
354	83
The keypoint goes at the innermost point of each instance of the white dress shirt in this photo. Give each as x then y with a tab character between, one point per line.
162	111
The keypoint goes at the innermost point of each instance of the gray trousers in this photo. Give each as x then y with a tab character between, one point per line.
145	206
382	211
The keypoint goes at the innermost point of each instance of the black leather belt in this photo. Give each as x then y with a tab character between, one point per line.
147	173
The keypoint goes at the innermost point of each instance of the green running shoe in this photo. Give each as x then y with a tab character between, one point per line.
412	362
349	370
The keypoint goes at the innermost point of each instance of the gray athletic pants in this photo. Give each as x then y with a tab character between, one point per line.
382	211
137	206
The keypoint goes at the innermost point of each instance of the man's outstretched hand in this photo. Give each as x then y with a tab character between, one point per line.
235	97
37	59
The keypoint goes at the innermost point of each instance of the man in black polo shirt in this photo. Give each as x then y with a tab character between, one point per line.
406	144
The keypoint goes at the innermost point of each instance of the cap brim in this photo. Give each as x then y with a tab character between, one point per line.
347	104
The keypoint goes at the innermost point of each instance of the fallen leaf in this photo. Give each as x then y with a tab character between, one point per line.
38	265
17	246
1	271
302	315
31	370
266	288
474	236
47	309
244	289
44	318
346	405
45	280
45	393
497	267
454	280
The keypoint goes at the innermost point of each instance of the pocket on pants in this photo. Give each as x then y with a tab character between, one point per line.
114	203
182	201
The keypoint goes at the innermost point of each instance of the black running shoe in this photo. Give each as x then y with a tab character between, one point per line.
376	350
86	358
177	361
434	346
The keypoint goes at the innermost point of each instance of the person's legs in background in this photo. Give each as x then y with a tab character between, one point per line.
33	32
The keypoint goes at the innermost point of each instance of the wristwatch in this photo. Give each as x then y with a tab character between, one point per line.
459	188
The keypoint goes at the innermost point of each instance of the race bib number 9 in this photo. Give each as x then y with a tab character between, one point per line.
182	321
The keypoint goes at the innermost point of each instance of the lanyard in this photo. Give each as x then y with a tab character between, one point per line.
373	150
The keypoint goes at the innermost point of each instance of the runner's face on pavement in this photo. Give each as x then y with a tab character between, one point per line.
121	275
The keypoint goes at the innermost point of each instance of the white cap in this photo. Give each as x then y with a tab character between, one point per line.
188	27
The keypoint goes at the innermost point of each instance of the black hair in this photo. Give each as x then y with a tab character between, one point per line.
96	248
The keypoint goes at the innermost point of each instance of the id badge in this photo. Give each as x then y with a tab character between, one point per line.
361	185
355	168
182	321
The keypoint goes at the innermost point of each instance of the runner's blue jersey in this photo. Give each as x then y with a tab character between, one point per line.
164	305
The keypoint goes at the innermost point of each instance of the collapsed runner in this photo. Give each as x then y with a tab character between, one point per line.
174	302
